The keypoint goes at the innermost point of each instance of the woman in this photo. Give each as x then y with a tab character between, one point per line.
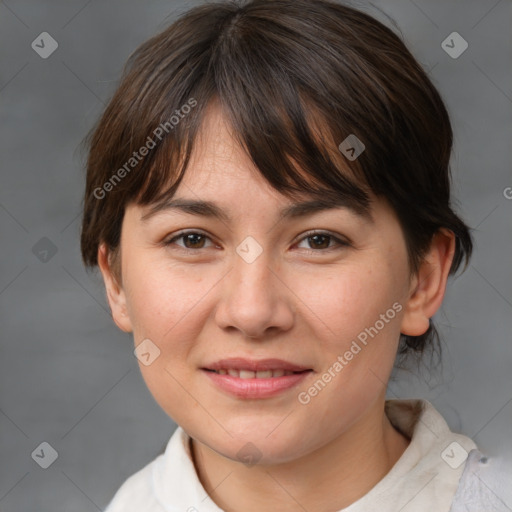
268	200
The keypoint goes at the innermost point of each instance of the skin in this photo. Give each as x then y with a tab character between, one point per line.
296	302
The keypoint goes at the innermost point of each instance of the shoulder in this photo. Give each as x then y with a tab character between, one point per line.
136	493
484	485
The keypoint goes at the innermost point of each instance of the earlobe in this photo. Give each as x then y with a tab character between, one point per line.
428	286
115	293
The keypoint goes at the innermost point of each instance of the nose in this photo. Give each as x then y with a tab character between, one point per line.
256	300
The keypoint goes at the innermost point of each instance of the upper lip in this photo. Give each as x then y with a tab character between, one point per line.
240	363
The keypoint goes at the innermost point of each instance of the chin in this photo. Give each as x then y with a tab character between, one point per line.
253	445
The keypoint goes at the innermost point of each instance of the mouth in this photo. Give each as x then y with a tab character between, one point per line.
248	374
250	379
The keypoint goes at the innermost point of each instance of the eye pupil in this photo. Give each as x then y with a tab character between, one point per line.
194	238
316	238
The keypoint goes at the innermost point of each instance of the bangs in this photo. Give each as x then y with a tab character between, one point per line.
276	117
293	154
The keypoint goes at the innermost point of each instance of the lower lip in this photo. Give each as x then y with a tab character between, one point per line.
256	388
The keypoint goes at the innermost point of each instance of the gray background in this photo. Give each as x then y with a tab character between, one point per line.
69	377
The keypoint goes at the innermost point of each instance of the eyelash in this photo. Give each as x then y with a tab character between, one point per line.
340	243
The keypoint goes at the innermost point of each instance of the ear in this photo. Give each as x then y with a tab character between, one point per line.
115	293
429	284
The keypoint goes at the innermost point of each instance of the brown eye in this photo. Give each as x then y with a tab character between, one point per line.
323	242
191	240
320	241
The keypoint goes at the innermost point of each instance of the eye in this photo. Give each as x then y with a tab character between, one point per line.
321	240
192	240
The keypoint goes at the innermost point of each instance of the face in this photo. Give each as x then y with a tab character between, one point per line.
321	296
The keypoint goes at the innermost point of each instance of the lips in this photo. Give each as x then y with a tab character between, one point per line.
250	379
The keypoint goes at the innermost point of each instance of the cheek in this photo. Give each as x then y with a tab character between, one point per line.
165	306
160	297
360	312
349	300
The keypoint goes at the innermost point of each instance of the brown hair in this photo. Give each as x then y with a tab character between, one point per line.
294	78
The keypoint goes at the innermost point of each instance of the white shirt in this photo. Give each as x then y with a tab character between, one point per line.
424	479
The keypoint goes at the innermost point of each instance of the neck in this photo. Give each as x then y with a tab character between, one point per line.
330	478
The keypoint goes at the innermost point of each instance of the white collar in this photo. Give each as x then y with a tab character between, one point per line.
421	480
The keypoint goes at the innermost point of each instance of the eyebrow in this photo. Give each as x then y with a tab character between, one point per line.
296	210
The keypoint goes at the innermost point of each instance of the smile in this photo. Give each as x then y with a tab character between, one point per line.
248	374
252	379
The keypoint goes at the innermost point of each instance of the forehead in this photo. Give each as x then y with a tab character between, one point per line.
220	167
216	147
228	170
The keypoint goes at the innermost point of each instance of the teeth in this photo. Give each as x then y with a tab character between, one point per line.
264	374
248	374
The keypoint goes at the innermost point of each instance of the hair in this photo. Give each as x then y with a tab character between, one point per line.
294	78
